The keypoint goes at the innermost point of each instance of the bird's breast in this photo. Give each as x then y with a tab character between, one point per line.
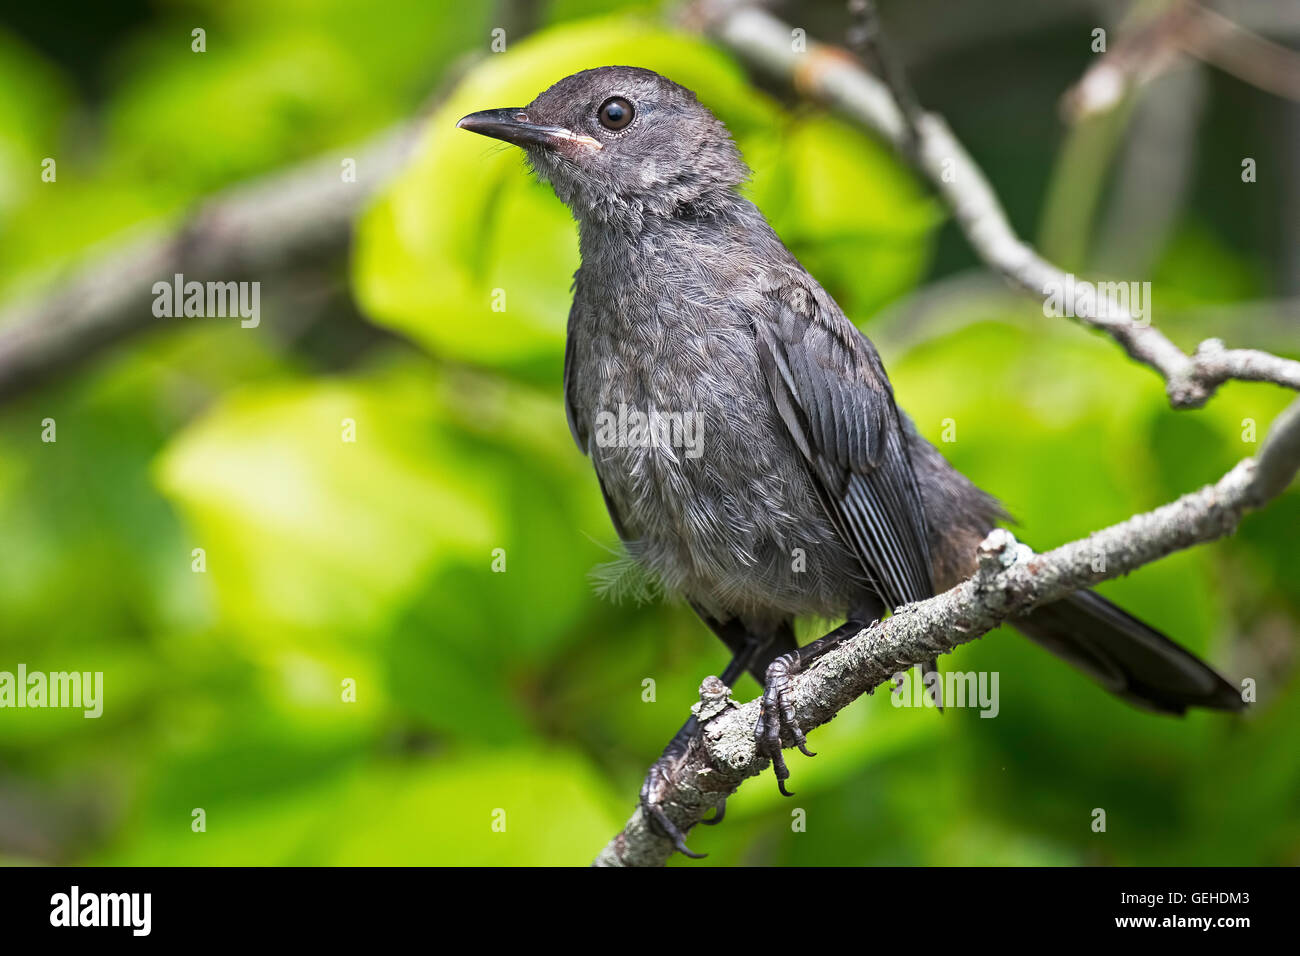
709	489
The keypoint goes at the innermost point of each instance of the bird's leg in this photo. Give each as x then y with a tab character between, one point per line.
936	687
659	780
777	712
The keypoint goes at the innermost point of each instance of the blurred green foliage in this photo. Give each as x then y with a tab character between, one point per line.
371	562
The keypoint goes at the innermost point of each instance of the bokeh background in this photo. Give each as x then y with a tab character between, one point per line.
371	561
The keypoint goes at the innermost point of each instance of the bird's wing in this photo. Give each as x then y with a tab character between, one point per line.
834	397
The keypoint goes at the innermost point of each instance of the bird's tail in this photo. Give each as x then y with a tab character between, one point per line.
1127	657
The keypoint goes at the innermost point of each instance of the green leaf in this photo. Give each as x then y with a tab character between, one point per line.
310	534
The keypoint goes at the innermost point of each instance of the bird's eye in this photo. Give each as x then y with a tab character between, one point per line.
615	113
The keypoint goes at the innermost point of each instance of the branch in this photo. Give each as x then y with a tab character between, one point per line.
832	76
1154	45
278	224
1248	56
1010	581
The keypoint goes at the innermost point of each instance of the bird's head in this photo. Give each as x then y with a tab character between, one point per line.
621	143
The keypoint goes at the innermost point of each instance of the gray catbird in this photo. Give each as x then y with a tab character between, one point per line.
688	303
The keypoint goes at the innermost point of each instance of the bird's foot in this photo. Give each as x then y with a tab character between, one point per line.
777	713
659	782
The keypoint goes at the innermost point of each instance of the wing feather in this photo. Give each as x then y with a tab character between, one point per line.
831	391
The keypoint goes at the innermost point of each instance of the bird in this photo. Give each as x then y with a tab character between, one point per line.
809	493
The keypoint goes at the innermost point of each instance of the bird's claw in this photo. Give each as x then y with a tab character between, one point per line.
776	713
655	787
718	814
672	831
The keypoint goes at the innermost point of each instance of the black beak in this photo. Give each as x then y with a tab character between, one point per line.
512	126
